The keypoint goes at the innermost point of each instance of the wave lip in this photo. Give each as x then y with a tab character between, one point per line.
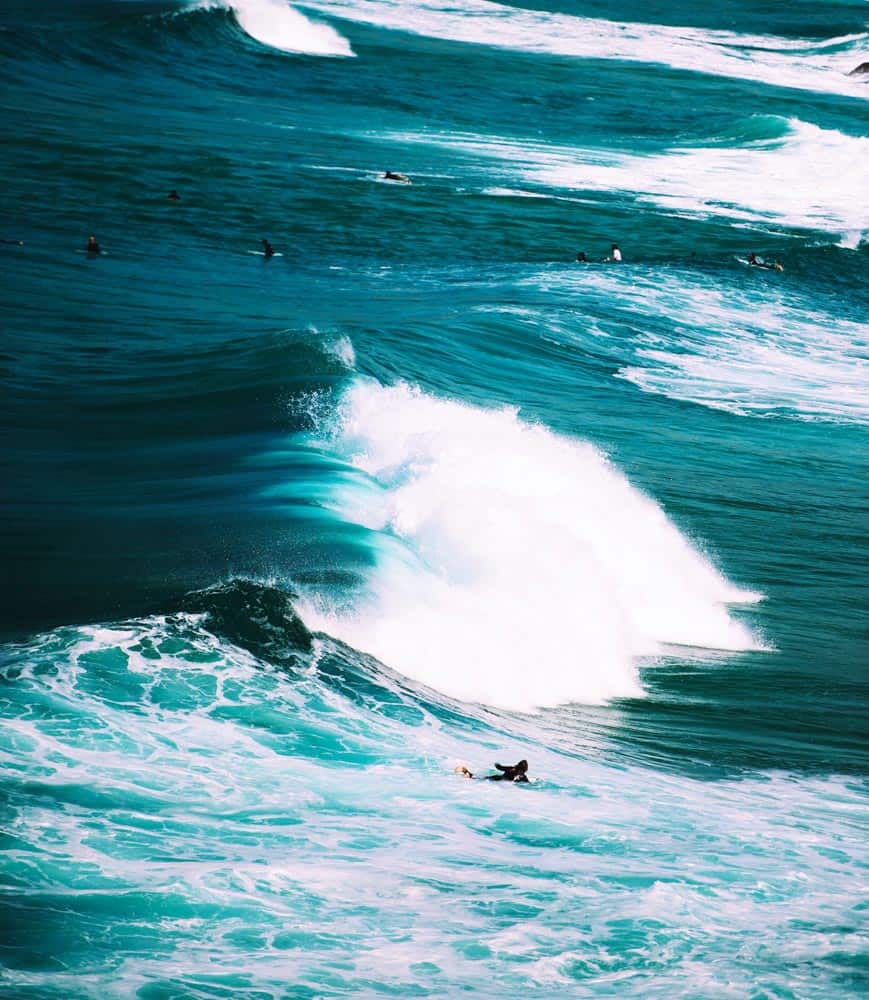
515	567
280	26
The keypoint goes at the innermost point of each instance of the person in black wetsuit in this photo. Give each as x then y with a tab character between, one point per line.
173	195
268	249
514	772
93	246
581	258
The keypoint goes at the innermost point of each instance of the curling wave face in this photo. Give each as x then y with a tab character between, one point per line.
514	567
280	26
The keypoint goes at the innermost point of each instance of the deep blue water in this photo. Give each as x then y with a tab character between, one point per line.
286	540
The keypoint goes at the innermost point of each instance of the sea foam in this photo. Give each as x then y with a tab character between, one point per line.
800	175
514	566
799	63
752	344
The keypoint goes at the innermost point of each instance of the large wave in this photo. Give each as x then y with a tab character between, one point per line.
797	175
276	24
514	566
778	61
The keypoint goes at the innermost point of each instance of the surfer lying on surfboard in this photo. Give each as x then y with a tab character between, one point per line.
513	772
755	261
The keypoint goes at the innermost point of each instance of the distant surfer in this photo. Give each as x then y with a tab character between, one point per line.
394	175
13	243
755	261
581	258
173	195
510	772
93	246
268	250
615	255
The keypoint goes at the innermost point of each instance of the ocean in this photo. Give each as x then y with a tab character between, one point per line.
287	539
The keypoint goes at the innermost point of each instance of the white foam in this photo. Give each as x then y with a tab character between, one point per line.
756	346
515	567
778	61
280	26
810	177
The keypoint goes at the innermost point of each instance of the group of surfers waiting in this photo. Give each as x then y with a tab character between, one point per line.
615	254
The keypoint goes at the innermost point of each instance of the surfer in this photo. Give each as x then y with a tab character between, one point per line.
268	250
755	261
581	258
393	175
93	246
511	772
13	243
616	254
173	195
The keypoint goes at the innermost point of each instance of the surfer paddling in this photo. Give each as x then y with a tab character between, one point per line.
268	249
507	772
93	247
394	175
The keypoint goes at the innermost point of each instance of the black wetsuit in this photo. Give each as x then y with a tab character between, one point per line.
516	772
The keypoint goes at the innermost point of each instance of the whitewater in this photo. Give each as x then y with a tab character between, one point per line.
507	546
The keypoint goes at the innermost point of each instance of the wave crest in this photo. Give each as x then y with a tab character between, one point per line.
280	26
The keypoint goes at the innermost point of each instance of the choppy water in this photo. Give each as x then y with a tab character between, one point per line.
286	540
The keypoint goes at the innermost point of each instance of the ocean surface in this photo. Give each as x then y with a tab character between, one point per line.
286	540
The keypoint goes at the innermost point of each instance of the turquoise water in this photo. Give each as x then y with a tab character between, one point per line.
287	540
